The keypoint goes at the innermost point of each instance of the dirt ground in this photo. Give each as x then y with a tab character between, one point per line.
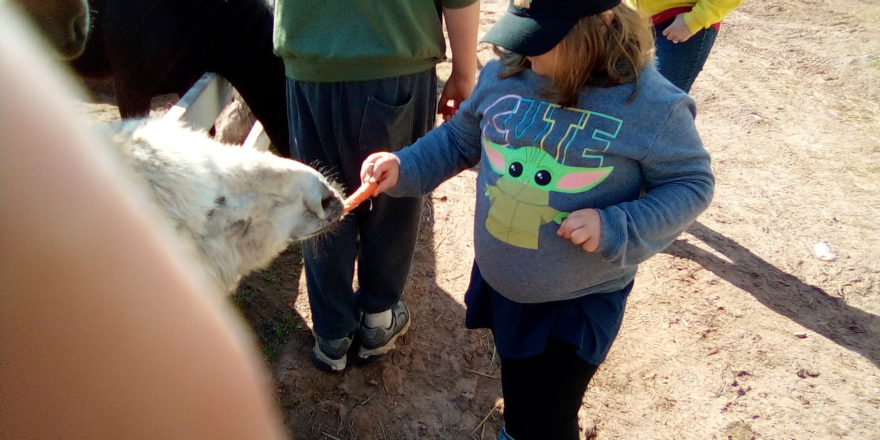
761	322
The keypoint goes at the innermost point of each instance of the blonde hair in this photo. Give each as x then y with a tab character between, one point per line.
595	53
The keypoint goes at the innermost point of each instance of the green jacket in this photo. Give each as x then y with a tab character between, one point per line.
359	40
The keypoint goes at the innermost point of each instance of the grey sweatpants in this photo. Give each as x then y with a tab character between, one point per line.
333	127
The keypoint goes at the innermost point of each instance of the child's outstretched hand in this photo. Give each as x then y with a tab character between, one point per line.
382	168
583	227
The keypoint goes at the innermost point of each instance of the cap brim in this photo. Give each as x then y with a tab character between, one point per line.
527	36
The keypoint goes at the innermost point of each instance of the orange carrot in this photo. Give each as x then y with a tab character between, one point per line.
360	195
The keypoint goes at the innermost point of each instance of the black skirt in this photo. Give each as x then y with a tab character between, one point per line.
590	322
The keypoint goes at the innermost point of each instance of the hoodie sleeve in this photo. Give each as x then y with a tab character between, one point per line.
445	151
708	12
678	187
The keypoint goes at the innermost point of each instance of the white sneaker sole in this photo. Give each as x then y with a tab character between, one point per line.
332	364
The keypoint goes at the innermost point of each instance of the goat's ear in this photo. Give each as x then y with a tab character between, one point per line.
240	227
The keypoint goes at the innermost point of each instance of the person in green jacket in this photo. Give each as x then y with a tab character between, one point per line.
361	78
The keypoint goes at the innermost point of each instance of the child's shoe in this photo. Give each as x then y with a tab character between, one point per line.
330	355
376	342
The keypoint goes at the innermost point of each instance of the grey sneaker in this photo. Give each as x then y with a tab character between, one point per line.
376	342
330	354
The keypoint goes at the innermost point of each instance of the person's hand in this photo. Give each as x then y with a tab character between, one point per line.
678	31
382	168
457	88
583	228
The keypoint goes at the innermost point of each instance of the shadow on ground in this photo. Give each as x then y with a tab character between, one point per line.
806	304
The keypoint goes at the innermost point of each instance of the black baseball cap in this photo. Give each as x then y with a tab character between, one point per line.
533	27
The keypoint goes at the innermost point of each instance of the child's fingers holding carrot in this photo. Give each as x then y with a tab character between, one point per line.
382	168
378	173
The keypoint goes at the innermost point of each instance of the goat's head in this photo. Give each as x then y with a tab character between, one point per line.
265	203
241	207
302	203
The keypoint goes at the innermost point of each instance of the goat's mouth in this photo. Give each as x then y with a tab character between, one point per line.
318	234
324	226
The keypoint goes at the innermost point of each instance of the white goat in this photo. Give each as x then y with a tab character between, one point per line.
240	207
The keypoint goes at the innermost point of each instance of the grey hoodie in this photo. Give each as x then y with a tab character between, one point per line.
641	164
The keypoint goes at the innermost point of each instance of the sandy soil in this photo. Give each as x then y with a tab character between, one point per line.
740	330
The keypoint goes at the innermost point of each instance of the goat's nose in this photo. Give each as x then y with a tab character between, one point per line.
331	205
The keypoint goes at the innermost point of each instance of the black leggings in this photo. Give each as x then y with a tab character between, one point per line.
542	394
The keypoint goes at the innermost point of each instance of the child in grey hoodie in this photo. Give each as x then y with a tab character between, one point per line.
591	165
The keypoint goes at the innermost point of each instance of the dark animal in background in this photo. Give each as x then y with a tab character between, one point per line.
64	23
154	47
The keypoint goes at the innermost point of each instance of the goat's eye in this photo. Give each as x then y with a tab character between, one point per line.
515	169
543	177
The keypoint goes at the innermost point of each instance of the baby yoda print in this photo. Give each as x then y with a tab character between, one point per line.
538	147
520	198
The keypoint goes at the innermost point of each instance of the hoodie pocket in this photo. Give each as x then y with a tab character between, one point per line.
386	127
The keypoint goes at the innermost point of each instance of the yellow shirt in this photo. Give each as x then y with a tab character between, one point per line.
705	13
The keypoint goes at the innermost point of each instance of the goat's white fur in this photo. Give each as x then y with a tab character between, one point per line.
240	207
